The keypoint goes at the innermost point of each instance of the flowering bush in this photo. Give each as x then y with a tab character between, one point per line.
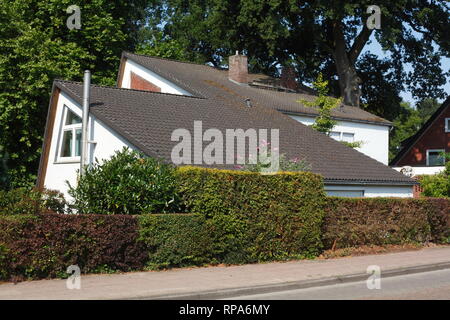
262	161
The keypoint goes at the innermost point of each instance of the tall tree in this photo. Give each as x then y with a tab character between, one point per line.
319	36
427	107
36	46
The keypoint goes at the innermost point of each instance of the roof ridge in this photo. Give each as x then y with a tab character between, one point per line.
172	60
133	90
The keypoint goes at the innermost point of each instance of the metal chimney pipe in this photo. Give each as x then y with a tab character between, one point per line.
85	119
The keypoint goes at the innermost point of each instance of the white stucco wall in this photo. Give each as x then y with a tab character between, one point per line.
107	143
166	86
423	170
375	138
370	191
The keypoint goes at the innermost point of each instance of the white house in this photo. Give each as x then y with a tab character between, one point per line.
353	124
155	96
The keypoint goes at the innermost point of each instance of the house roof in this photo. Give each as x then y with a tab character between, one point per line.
408	143
210	82
147	120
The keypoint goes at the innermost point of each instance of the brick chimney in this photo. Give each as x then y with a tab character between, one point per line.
288	78
238	68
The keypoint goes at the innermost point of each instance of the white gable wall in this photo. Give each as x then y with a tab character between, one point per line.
375	138
108	142
166	86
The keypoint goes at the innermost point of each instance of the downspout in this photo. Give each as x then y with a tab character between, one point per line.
85	122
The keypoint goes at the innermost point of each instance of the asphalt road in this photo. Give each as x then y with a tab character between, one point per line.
433	285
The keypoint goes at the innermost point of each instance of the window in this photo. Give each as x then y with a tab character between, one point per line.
335	135
447	124
345	193
342	136
70	146
435	157
348	137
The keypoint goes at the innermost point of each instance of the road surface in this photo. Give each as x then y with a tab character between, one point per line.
434	285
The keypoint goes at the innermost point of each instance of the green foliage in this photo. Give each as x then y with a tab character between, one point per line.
127	183
405	126
23	201
175	240
307	36
241	217
437	185
4	174
427	107
36	47
324	104
381	221
354	145
160	46
256	217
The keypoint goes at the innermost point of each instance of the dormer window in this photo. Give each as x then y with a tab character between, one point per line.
70	146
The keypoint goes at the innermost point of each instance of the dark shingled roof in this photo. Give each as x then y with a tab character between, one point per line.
209	82
147	120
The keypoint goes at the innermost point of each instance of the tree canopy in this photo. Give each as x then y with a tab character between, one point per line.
36	47
322	36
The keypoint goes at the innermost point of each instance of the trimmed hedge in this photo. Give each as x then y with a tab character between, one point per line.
380	221
239	217
175	240
45	245
257	217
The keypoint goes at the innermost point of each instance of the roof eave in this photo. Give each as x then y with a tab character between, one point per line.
369	182
384	123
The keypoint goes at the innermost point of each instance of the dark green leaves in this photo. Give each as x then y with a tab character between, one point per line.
128	183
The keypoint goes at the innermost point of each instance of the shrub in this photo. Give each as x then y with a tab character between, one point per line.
382	221
26	201
439	219
437	185
128	183
176	240
256	217
45	245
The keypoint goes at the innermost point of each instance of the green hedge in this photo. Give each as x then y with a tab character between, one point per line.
175	240
238	217
380	221
256	217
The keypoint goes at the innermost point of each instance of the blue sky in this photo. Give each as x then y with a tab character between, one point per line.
375	48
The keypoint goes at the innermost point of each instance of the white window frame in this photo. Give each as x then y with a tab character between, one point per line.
353	136
434	150
447	124
68	127
341	135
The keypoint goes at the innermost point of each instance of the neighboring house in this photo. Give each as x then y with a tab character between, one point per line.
171	95
422	153
159	75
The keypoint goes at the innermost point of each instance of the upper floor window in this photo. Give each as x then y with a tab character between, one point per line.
342	136
435	157
447	124
70	146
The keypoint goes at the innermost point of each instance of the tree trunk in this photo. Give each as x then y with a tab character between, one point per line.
349	82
